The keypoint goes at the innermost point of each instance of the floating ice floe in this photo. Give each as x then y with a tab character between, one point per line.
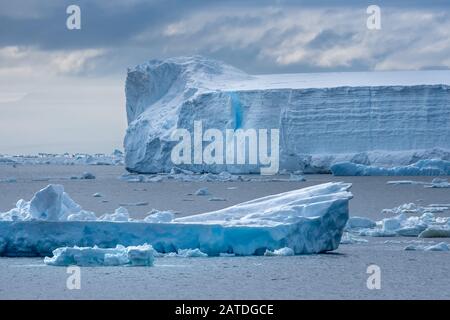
309	220
202	192
435	183
438	183
187	253
143	255
409	220
441	246
348	238
280	252
432	167
8	180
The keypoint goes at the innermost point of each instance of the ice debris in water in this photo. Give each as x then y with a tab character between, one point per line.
187	253
432	167
280	252
438	183
348	238
308	220
441	246
97	195
8	180
202	192
409	220
87	176
143	255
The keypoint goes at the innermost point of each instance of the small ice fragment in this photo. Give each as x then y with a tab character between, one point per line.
202	192
280	252
217	199
97	195
87	176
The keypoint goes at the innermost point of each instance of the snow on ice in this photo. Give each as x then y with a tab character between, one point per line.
309	220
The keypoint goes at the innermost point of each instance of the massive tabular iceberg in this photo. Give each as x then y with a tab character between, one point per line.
372	118
309	220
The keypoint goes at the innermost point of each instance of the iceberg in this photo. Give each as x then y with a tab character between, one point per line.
309	220
368	118
431	167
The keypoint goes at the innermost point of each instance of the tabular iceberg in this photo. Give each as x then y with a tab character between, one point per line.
372	118
309	220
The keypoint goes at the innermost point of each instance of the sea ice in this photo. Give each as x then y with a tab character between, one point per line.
280	252
408	220
441	246
309	220
202	192
143	255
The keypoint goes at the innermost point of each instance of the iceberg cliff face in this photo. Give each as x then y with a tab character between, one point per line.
378	118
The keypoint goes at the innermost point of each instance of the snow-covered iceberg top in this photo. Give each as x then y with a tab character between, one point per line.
370	118
309	220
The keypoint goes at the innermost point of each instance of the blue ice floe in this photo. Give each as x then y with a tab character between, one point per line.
143	255
407	220
309	220
433	167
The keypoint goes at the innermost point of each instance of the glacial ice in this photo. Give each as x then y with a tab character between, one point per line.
143	255
431	167
378	118
309	220
408	220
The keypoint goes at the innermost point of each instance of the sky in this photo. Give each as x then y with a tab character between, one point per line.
63	90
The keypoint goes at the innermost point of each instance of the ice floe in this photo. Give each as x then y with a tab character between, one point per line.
441	246
280	252
408	220
143	255
309	220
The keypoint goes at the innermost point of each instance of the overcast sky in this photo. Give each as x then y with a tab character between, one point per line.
62	90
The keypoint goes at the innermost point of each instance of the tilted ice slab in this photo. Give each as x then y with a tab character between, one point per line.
309	220
371	118
432	167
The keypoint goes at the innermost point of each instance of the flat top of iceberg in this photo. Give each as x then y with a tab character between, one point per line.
210	74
